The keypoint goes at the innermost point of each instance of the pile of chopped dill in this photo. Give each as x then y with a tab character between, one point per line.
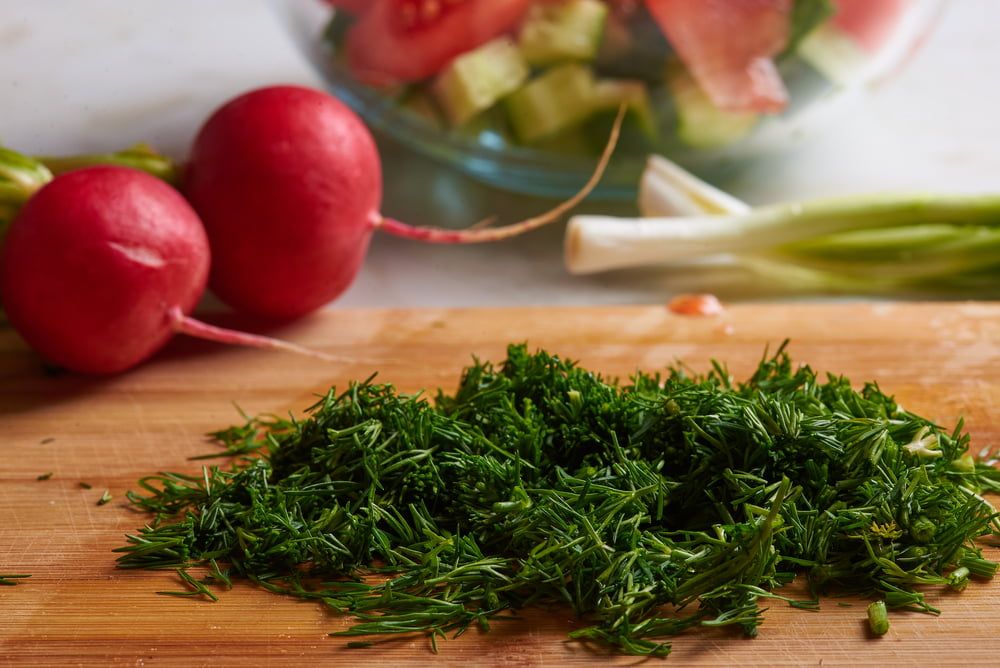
651	507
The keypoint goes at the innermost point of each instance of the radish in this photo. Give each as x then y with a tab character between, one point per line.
288	183
101	266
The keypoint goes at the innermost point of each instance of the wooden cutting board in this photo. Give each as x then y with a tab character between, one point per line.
939	360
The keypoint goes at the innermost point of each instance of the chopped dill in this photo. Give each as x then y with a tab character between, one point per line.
671	502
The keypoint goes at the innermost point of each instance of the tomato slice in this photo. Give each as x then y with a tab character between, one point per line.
697	305
728	47
869	22
399	41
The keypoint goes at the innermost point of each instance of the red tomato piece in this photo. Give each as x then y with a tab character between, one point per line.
869	22
696	305
398	41
728	45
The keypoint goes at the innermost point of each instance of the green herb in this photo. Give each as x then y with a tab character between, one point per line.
197	588
85	485
45	476
664	504
878	618
139	156
242	439
21	176
11	580
105	498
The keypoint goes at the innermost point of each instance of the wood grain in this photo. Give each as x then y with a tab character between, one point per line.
940	360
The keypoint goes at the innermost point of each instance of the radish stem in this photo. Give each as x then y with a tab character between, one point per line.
140	156
20	176
482	233
183	324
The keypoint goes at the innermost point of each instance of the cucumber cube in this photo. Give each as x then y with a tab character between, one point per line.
570	30
700	124
611	94
477	80
560	98
834	54
420	104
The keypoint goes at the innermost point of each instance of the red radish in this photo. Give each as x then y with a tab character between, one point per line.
288	183
398	41
728	46
100	268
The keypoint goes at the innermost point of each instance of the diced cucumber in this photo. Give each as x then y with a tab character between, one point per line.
336	30
632	48
807	16
833	53
419	102
610	94
577	141
570	30
700	124
560	98
489	128
477	80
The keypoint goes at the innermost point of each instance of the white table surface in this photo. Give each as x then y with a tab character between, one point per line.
88	75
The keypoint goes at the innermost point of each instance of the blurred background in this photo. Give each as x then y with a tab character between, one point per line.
95	75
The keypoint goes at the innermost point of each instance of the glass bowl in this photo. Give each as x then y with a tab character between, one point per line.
828	72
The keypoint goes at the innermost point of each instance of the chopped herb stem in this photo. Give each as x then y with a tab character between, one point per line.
878	618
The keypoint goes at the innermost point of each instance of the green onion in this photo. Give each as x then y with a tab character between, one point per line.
947	244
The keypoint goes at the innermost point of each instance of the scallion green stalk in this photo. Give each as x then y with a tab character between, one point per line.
870	244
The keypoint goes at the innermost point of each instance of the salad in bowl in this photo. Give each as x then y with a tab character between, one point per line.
523	93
